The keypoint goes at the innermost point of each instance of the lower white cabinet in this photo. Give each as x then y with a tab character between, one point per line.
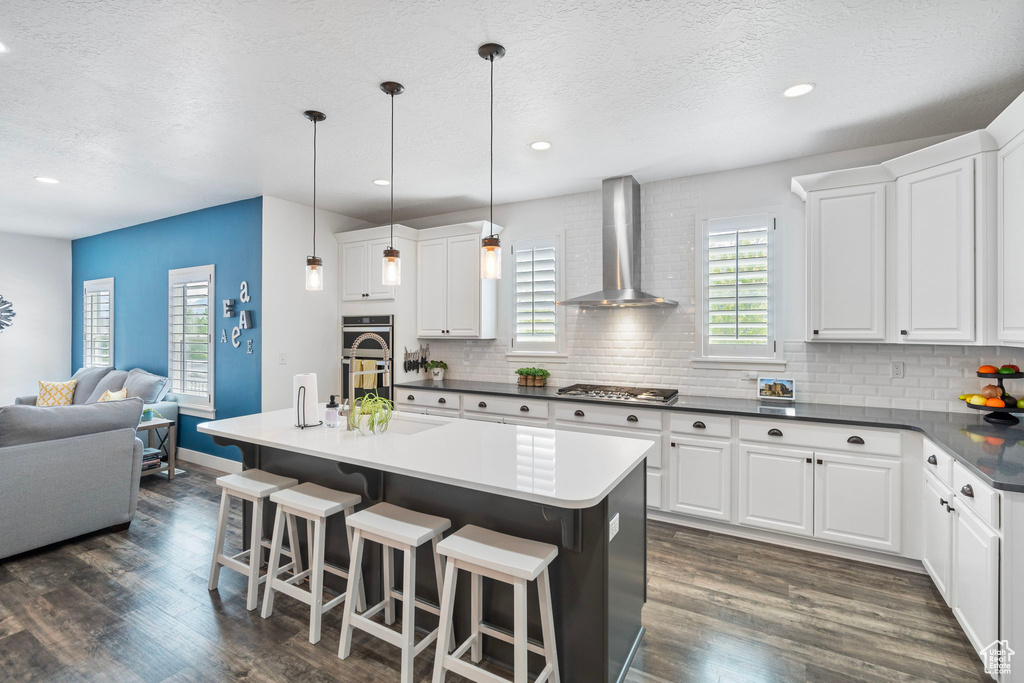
700	478
975	577
857	500
776	489
655	498
937	532
655	481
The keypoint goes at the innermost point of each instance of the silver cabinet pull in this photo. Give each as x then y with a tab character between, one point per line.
932	460
441	400
632	418
524	409
578	413
967	490
410	397
774	432
855	439
481	404
699	425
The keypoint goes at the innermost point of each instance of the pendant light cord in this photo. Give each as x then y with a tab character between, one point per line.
491	60
391	241
314	188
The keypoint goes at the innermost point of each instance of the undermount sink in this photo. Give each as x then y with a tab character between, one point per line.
411	424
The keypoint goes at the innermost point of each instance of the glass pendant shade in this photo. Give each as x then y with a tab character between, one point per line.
391	268
490	258
314	274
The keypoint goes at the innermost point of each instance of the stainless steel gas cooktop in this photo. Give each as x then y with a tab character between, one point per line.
613	393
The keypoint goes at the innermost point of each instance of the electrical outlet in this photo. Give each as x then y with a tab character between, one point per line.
613	527
750	376
897	369
282	359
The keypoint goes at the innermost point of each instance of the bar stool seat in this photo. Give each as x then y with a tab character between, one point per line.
509	559
395	528
253	486
315	504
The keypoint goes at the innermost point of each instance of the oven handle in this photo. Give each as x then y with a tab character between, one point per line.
366	329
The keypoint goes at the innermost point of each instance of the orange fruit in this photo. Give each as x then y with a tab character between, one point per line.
995	403
988	369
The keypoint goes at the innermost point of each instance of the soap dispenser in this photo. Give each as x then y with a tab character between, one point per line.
333	414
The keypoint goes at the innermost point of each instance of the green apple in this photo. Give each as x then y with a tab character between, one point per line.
1020	404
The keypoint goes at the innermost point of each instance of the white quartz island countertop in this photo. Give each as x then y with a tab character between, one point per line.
550	466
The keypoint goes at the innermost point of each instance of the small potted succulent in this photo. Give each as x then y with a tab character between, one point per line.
532	377
371	414
437	368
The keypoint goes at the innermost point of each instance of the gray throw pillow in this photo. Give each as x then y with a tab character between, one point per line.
32	424
87	378
145	385
113	381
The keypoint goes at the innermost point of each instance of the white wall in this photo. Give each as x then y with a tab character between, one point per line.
35	275
654	347
299	324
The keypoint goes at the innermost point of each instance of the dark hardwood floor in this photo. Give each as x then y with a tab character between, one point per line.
134	605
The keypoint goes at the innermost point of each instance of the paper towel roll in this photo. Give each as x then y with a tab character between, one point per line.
310	408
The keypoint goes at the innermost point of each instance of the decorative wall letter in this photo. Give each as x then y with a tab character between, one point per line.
235	334
223	336
248	346
245	292
229	308
245	322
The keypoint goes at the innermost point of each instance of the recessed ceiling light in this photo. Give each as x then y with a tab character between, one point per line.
798	90
44	179
381	182
540	145
4	48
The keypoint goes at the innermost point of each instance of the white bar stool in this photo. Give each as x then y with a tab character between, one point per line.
254	486
394	528
511	560
315	504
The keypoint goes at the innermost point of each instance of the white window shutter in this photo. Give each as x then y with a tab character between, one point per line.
535	318
98	323
190	335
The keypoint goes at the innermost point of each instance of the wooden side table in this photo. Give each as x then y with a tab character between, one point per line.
168	443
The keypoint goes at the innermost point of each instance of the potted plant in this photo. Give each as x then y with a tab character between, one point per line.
437	368
532	377
371	414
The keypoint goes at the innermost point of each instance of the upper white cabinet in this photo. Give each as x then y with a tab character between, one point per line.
452	302
361	271
846	277
1010	241
935	254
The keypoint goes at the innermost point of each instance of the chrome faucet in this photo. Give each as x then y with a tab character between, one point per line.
352	371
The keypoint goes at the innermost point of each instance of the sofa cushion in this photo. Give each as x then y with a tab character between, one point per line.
87	378
145	385
119	395
56	393
112	381
32	424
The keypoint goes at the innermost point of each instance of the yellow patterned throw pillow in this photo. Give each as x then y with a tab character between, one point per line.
56	393
109	395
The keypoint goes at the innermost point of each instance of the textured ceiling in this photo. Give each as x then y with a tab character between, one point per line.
149	109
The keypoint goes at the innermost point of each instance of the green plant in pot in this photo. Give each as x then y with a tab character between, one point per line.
436	368
532	377
371	414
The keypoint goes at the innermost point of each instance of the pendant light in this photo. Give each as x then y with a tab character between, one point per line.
490	247
314	264
392	265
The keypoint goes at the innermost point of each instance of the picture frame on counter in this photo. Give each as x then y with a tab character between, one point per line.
776	389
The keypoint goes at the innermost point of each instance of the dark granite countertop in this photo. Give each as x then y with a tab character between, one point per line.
994	453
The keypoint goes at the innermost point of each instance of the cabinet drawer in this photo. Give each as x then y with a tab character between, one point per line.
938	462
976	494
608	416
839	437
512	407
430	399
701	425
654	454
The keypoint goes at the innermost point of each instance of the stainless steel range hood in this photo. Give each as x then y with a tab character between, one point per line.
621	251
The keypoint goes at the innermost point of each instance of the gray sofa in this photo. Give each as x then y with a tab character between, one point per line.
67	471
92	382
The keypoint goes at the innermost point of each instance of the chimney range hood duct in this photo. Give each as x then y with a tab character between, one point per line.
620	235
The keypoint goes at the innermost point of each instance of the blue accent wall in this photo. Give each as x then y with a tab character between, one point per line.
138	258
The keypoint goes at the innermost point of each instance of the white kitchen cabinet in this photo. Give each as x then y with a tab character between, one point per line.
846	263
700	478
361	271
655	480
935	254
858	500
1010	242
776	489
452	301
975	577
937	521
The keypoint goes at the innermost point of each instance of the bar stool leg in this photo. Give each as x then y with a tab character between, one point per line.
444	629
476	650
355	574
389	585
316	582
275	561
309	541
255	555
408	612
439	577
218	545
519	647
547	625
293	543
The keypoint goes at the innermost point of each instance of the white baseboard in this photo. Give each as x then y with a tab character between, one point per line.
207	460
811	545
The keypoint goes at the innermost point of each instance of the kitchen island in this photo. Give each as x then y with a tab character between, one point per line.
581	492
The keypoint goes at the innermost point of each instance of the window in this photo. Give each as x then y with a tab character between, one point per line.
738	312
98	323
536	320
190	336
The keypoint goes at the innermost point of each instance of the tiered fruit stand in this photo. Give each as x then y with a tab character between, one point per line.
1000	416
